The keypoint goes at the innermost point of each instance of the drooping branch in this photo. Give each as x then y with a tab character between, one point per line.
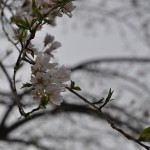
111	60
31	142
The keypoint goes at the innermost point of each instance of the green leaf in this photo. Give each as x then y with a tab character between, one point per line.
33	21
108	98
27	23
77	88
25	3
34	7
72	84
21	23
99	101
43	102
20	66
145	135
40	17
36	11
26	85
73	87
32	53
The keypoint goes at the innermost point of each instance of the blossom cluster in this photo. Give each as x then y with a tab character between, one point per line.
48	80
46	10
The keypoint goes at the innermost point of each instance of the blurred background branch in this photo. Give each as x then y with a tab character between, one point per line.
74	125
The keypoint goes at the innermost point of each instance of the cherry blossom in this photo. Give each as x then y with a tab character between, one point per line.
47	78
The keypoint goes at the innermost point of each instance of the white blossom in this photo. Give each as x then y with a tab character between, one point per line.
48	39
52	47
48	79
69	7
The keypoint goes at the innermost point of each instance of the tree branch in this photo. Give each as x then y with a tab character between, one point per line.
112	124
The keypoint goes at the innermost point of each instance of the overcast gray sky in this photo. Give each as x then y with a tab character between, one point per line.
80	44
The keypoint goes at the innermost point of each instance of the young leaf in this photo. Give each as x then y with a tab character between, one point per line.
77	88
23	24
25	3
26	85
108	98
43	102
34	5
145	135
99	101
72	84
33	21
36	11
73	87
32	54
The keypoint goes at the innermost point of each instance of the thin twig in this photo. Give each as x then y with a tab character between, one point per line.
3	27
100	112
